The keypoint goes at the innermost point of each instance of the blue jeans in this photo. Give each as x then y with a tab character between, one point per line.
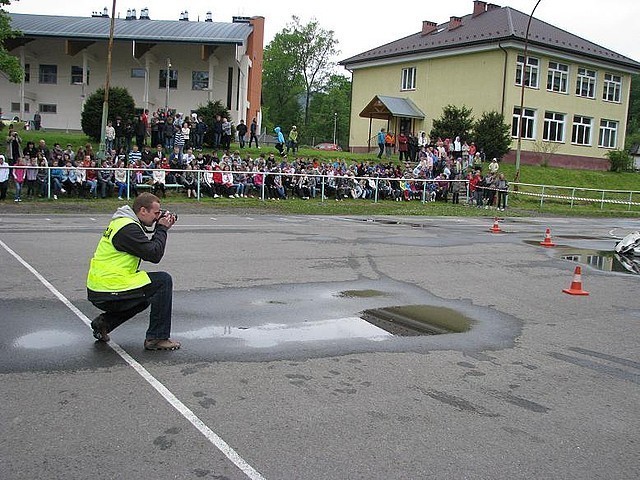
158	294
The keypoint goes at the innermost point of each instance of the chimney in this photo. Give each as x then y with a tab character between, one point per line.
455	22
105	12
128	17
144	14
209	17
492	6
134	14
428	27
479	8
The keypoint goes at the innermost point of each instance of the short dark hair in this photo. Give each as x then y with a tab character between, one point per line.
145	200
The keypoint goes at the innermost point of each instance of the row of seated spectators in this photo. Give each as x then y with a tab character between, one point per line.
234	176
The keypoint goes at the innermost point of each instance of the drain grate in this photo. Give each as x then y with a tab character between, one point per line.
413	320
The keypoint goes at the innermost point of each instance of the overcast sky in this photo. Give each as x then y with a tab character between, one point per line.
359	27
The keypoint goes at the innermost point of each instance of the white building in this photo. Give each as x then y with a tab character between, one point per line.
65	60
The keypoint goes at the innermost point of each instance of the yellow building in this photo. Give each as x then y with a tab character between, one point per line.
576	92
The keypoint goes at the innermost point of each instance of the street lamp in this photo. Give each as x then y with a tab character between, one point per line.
335	126
524	69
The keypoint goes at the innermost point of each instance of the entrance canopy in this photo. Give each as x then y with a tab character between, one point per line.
385	108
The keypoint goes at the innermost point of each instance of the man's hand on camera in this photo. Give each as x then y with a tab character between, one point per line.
167	221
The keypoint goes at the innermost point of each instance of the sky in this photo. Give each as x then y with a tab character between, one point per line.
359	27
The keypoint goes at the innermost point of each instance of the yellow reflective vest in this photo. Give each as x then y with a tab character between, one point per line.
112	270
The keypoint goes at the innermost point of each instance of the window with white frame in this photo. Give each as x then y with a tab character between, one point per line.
553	130
558	77
409	78
48	74
581	130
528	123
173	79
199	80
530	73
76	75
612	87
48	108
586	83
608	136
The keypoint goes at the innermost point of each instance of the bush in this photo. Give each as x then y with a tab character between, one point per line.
121	104
493	135
619	160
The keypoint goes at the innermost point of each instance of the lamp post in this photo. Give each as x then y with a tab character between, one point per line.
166	98
105	103
335	126
524	70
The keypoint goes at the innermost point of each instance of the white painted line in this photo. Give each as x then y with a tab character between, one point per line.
210	435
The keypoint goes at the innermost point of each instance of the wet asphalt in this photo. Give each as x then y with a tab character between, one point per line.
278	363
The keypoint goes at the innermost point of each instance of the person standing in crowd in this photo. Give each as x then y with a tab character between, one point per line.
381	142
4	178
292	144
503	187
226	134
18	179
217	132
279	140
110	136
118	288
403	146
389	142
198	131
37	120
242	131
13	146
253	132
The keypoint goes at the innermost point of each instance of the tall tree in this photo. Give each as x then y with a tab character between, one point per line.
298	63
329	112
455	121
9	65
282	84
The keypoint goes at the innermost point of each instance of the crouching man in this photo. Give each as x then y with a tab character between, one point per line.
118	288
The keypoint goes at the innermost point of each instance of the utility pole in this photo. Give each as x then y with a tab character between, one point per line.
105	103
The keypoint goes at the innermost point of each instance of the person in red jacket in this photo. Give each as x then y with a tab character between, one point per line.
403	146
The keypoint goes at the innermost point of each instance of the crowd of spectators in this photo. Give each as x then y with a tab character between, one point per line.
432	173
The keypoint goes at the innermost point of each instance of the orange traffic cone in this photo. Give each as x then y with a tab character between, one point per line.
496	227
576	284
547	242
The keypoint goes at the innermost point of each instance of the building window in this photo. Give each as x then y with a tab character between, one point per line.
139	73
558	77
173	79
27	73
586	83
528	123
612	87
608	134
408	78
76	75
581	130
48	108
199	80
48	74
530	73
553	127
15	107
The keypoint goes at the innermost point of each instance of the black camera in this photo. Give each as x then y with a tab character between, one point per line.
168	214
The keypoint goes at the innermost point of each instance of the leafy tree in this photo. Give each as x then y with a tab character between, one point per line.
297	65
324	107
492	134
208	113
121	104
9	65
282	84
453	122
